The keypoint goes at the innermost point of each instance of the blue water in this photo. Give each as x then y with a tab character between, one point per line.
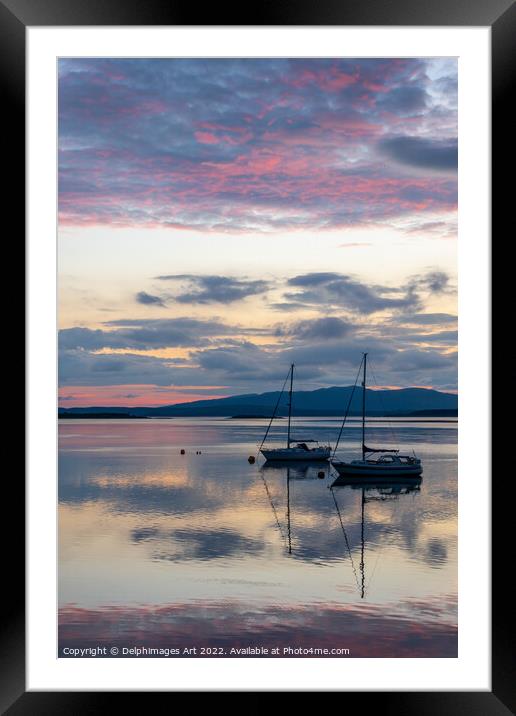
204	550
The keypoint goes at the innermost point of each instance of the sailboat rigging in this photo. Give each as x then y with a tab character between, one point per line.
386	465
295	449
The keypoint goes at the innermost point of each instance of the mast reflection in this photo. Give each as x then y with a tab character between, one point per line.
381	490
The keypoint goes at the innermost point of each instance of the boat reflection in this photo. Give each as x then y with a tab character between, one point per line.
400	484
301	470
381	490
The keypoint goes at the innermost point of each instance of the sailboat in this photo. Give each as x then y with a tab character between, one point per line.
294	449
389	463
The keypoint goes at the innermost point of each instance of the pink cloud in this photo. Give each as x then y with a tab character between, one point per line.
206	138
291	137
330	79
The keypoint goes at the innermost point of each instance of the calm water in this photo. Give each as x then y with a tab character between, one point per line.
172	552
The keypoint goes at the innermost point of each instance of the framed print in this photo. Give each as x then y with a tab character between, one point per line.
270	466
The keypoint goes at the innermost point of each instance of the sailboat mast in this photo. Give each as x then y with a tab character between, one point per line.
362	564
290	403
288	512
363	406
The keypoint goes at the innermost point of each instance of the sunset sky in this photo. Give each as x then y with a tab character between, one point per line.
222	218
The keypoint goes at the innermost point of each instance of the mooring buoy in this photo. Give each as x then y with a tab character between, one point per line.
251	459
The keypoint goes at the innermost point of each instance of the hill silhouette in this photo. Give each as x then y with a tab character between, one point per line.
324	401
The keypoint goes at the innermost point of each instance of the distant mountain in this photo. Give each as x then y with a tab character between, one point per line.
325	401
98	416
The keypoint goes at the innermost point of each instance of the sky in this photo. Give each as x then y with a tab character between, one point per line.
220	219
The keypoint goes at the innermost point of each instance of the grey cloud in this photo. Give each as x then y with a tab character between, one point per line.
433	282
334	363
288	306
244	360
418	360
314	279
422	153
333	289
148	300
215	289
448	87
78	367
404	100
430	318
86	338
443	337
326	348
141	333
247	367
146	333
326	328
434	227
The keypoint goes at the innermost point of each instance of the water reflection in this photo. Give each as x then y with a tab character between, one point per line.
371	490
157	537
366	632
300	470
197	544
380	491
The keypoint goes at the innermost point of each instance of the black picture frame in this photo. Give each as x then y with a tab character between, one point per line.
500	16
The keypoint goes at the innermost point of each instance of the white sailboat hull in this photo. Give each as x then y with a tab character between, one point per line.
297	454
358	468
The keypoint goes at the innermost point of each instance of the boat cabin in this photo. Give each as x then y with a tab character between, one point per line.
394	460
